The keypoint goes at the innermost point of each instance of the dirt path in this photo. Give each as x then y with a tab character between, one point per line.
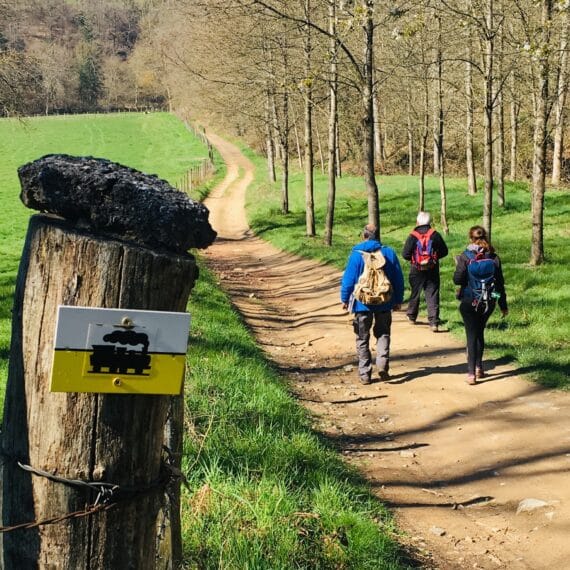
453	461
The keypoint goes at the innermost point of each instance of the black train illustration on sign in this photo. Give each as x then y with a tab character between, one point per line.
117	358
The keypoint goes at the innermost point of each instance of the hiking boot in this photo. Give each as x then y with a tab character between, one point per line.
471	379
411	319
365	380
383	375
434	328
479	373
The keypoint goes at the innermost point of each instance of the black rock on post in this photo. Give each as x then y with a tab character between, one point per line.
108	198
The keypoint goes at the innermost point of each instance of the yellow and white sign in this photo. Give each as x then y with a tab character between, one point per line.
119	351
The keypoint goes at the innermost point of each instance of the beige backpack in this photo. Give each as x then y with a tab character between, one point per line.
373	286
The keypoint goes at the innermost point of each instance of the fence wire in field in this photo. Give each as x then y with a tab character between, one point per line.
196	175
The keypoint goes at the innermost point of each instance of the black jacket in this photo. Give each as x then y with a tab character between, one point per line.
438	245
460	277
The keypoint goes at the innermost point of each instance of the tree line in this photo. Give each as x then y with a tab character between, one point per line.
58	56
476	88
465	87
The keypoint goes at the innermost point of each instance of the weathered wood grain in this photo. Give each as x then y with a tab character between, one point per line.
113	438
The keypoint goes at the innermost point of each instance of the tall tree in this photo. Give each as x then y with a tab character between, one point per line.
500	115
332	123
562	91
469	114
488	32
540	135
515	108
308	93
440	126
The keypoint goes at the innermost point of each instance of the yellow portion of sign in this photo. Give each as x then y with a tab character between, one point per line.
76	371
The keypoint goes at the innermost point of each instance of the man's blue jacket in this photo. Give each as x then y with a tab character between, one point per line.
354	269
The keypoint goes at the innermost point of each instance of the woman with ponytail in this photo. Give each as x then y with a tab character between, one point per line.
482	285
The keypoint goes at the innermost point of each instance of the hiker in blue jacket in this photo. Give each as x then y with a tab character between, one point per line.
482	285
375	317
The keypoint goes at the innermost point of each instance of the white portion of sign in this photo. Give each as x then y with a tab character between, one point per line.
78	328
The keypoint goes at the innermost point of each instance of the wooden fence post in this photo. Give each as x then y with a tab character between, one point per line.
122	257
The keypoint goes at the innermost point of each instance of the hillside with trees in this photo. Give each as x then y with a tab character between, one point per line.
61	56
474	88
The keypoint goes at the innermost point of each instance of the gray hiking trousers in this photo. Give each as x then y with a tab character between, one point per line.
380	323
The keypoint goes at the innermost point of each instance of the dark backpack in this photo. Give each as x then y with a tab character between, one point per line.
424	256
481	270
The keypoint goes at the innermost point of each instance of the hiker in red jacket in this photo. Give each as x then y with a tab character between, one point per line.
424	248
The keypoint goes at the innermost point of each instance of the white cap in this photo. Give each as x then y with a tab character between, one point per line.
423	219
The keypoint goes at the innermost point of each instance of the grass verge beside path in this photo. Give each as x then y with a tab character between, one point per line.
156	143
265	492
536	334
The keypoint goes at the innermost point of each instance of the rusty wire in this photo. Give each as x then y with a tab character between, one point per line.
89	510
108	494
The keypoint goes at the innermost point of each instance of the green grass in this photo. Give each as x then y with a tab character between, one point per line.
155	143
537	332
265	492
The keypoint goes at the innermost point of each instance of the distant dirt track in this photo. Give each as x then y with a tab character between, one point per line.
452	461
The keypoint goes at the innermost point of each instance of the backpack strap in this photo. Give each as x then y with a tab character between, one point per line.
419	236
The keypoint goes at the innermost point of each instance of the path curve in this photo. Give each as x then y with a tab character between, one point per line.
453	461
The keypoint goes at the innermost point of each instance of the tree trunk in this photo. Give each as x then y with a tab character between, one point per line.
332	144
97	437
440	130
515	109
269	141
276	129
320	147
540	135
560	104
410	137
436	160
378	146
500	112
488	121
443	197
309	182
423	149
338	161
284	142
471	174
500	154
368	118
297	141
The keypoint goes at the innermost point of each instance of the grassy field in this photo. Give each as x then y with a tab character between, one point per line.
535	336
154	143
